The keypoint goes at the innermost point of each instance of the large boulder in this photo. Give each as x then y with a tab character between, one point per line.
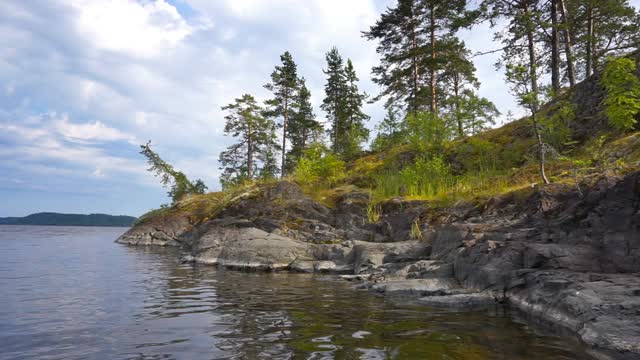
160	230
246	248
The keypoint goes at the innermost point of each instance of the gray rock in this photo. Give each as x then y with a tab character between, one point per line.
462	301
418	287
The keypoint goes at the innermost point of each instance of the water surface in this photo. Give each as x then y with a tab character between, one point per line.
71	293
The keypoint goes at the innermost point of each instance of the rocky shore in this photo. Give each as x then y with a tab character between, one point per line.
565	256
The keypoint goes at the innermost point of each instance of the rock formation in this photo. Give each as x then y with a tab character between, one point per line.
568	257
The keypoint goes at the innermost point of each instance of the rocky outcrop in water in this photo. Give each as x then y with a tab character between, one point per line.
568	257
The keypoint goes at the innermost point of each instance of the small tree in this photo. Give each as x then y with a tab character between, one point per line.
470	113
622	102
389	131
520	78
426	132
177	182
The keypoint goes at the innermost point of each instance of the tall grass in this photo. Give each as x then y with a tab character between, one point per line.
441	187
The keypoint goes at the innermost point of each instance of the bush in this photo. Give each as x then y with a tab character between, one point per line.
317	165
426	177
426	132
622	102
477	154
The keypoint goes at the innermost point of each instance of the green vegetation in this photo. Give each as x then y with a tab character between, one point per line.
343	105
178	183
435	141
622	102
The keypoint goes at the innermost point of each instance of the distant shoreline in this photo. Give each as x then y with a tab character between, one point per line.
58	219
96	226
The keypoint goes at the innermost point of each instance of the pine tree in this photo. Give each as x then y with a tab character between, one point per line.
471	113
466	112
283	85
413	41
389	130
333	103
401	46
304	129
178	183
605	28
256	142
355	132
443	18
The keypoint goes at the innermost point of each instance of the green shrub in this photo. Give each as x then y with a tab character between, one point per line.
622	101
426	177
317	165
426	132
555	128
477	154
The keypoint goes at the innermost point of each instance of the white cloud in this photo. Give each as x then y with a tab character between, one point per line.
137	28
90	132
75	145
128	71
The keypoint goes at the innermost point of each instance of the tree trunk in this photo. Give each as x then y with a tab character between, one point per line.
568	46
589	51
534	89
249	152
285	123
336	122
456	90
434	103
415	70
555	49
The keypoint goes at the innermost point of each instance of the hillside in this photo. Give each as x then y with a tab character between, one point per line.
56	219
464	224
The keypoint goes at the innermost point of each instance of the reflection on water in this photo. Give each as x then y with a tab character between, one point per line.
71	293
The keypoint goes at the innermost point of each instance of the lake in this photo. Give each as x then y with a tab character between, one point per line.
72	293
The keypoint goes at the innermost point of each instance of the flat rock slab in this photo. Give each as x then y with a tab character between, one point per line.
420	287
465	301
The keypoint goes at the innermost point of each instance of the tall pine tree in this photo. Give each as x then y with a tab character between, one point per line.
354	131
401	46
283	85
604	28
333	103
304	129
413	42
465	111
256	143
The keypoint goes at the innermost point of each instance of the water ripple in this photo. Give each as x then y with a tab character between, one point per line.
71	293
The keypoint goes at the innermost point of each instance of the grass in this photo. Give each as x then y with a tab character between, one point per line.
373	213
202	207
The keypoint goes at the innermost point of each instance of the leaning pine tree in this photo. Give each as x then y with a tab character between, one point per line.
177	182
252	153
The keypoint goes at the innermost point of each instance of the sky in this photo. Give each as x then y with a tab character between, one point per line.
84	82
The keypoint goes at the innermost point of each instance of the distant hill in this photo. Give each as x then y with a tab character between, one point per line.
48	218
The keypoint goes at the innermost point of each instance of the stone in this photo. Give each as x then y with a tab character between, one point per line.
567	258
